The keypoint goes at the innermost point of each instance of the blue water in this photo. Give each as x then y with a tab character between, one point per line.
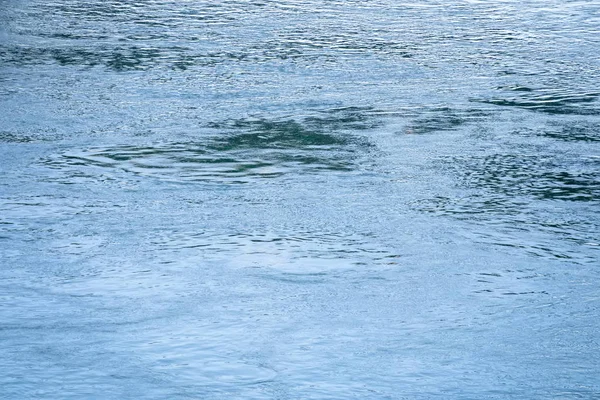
299	199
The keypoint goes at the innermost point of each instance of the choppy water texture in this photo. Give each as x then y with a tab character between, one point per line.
299	199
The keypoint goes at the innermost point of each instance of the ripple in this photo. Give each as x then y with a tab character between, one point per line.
543	205
532	175
117	58
296	253
552	101
438	119
9	137
243	150
215	373
508	282
577	131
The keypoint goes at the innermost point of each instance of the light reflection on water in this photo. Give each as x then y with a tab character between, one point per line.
299	199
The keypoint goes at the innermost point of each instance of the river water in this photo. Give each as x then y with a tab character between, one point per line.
299	199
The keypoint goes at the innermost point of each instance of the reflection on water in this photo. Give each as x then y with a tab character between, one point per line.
299	199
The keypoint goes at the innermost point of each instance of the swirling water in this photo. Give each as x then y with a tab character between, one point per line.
299	200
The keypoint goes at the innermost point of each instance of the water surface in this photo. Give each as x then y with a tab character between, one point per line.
299	200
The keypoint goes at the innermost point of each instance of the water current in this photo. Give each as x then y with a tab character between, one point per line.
299	199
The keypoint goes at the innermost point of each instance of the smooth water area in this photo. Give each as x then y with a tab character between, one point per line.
299	199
